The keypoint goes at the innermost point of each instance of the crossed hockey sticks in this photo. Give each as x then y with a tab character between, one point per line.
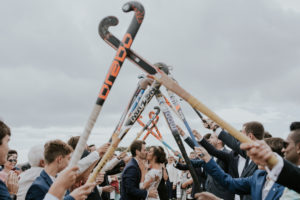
173	86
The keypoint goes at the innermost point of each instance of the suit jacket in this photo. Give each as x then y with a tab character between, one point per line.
250	185
230	159
40	187
290	176
211	185
4	194
131	178
234	144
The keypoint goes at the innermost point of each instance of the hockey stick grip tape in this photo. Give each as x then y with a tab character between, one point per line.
108	154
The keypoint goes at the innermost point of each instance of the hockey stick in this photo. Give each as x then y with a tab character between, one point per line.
111	75
142	85
117	137
181	116
146	126
159	138
173	128
173	86
149	129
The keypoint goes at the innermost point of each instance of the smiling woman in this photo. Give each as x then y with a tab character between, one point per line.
8	167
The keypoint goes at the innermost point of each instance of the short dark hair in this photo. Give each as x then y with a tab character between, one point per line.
207	136
267	135
294	126
12	151
73	141
56	148
256	128
276	144
92	145
295	136
160	154
4	130
136	145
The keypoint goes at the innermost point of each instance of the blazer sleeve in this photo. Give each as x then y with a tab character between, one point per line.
234	185
130	179
233	143
68	197
181	166
289	176
4	194
195	163
189	142
222	155
35	192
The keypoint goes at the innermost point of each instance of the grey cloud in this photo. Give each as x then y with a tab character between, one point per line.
226	53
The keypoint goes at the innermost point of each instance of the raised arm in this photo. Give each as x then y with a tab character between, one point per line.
232	143
234	185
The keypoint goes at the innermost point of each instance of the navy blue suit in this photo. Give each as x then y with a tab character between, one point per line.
250	185
4	194
131	178
40	187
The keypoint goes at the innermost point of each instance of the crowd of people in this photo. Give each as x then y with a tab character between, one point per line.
266	169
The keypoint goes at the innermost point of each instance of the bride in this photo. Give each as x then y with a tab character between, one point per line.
152	174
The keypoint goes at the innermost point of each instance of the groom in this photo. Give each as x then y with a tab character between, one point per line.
131	175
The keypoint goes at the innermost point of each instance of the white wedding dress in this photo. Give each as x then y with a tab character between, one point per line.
152	173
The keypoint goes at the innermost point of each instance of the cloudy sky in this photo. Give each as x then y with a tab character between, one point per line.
239	57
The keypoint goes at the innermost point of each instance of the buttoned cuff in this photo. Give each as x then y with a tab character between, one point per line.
276	170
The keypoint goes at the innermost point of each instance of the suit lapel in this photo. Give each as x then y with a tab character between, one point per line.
46	177
135	163
273	191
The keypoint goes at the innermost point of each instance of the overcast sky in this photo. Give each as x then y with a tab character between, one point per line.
239	57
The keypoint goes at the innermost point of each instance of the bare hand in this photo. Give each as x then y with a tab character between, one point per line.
143	166
209	124
108	188
202	153
126	159
173	187
197	135
206	196
153	193
82	192
102	149
189	191
12	182
122	155
63	182
100	178
176	153
181	132
258	151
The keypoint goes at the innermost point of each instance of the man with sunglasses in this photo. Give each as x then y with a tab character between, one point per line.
7	191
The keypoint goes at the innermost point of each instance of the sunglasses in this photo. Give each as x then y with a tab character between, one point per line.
12	160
